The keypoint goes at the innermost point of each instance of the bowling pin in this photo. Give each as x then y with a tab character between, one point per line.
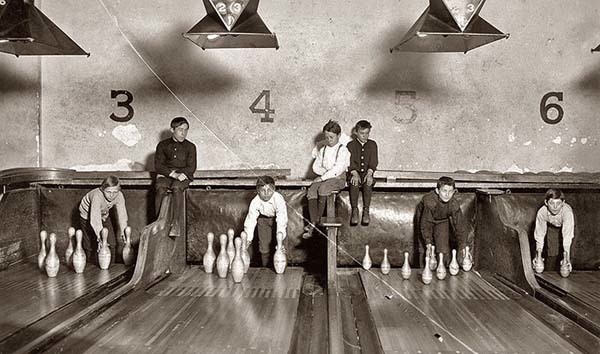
279	259
406	270
69	251
79	257
237	265
128	252
366	263
209	257
467	262
426	276
52	261
104	250
440	273
223	258
538	262
385	264
432	259
230	246
454	267
245	253
42	254
565	265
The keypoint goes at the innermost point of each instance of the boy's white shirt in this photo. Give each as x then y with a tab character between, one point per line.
335	161
564	219
274	207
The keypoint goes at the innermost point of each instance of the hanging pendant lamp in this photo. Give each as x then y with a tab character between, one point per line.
25	30
449	26
231	24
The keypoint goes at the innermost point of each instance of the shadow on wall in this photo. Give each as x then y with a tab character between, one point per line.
182	65
149	163
12	81
589	81
399	70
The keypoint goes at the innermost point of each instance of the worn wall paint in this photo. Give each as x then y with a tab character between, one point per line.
478	111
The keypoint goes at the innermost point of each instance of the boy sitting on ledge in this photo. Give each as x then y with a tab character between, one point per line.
331	163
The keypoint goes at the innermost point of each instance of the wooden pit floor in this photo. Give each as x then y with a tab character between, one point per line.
197	313
461	314
582	285
28	295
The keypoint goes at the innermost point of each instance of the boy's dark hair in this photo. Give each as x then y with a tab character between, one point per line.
554	193
333	127
177	121
110	181
445	181
362	124
264	181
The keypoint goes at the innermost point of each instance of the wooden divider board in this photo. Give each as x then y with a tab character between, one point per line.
583	285
198	313
459	314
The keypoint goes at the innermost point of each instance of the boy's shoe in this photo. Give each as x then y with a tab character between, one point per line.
354	217
366	219
308	232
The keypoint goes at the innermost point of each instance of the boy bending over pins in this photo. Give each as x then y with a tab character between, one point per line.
559	214
94	211
266	208
441	213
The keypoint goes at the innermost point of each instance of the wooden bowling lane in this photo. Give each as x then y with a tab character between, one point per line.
461	314
197	313
582	285
29	295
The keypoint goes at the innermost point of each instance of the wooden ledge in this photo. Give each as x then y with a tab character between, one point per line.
331	222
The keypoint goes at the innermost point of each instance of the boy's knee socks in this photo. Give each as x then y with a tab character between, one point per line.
313	211
322	203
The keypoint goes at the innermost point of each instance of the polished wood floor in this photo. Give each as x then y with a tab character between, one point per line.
584	286
461	314
197	313
27	294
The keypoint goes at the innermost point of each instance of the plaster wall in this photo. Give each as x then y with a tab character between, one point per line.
19	111
478	111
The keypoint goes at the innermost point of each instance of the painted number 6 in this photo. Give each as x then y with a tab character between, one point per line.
545	107
126	104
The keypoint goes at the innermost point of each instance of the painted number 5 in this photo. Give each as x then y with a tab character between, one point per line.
267	111
545	107
126	104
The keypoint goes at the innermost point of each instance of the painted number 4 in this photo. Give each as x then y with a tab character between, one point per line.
267	111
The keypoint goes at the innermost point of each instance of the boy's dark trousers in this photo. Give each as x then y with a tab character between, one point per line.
367	191
265	227
554	250
441	236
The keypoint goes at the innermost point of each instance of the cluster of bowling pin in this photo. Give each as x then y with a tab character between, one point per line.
431	264
75	256
565	265
234	256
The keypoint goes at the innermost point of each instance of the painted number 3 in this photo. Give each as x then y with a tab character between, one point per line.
267	111
125	104
545	107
